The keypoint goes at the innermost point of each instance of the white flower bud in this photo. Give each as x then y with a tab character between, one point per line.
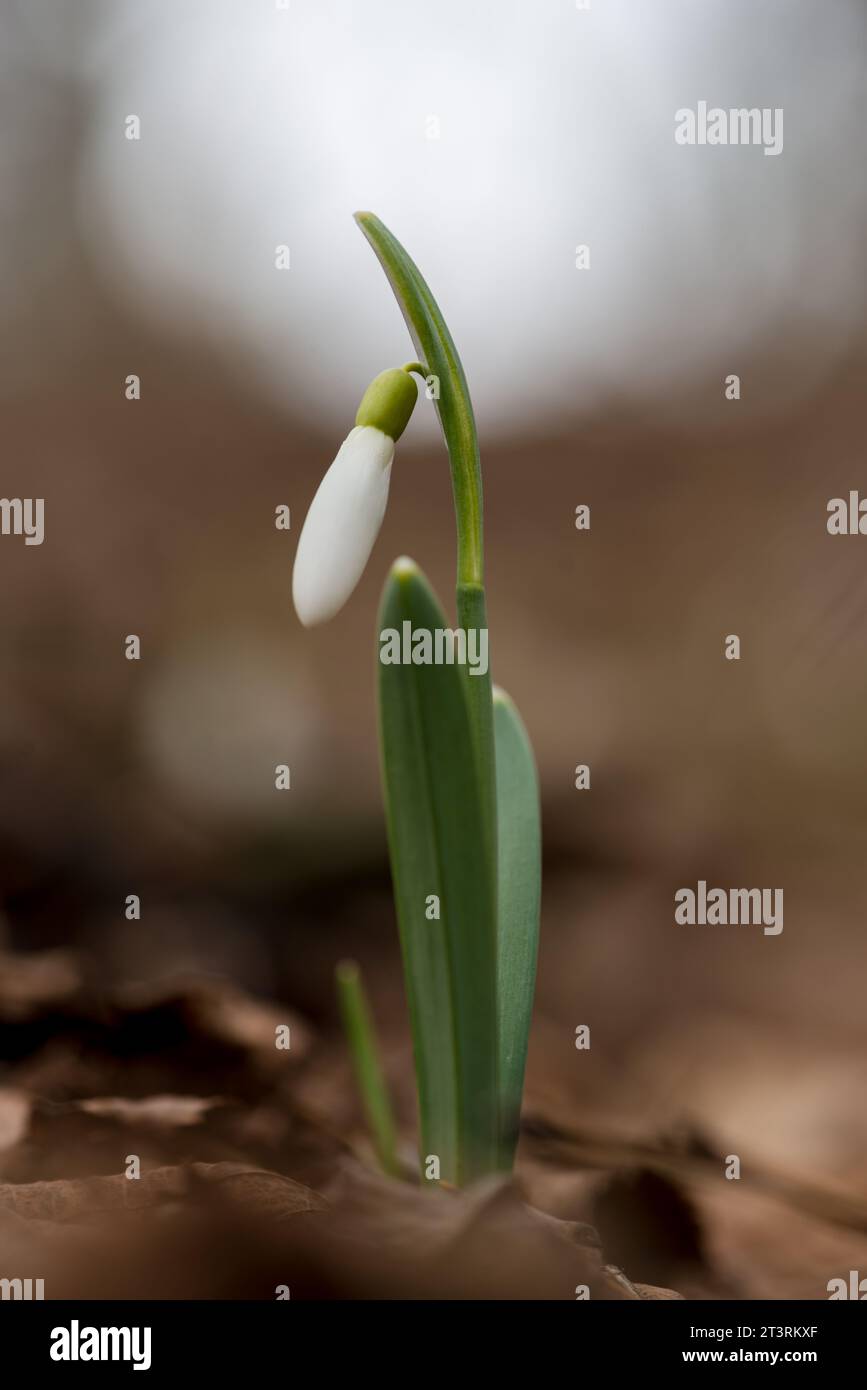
342	524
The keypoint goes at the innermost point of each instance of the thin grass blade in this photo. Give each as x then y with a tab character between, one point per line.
361	1035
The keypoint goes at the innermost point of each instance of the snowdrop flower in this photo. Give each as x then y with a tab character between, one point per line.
345	515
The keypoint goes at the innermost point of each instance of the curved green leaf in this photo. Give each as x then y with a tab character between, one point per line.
518	899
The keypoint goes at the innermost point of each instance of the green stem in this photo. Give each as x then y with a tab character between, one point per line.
473	615
436	347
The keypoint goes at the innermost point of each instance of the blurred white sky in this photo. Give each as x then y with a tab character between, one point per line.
263	126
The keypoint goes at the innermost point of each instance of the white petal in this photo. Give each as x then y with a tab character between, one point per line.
342	524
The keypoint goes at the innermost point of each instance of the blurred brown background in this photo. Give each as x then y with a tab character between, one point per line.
708	518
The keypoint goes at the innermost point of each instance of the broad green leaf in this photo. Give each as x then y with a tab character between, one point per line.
518	898
360	1032
439	856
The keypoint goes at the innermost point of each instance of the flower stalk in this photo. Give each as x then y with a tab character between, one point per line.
436	348
435	345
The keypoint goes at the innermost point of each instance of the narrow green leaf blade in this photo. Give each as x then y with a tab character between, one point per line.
518	898
438	848
360	1032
